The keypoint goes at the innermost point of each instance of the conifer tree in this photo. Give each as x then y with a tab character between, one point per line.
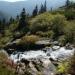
11	20
67	3
41	9
22	21
35	11
2	25
45	6
17	18
51	9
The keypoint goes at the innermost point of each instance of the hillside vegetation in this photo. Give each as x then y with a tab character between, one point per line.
56	25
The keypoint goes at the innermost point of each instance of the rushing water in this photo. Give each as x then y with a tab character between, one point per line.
60	53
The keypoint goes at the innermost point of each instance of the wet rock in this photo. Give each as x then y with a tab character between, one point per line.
25	61
56	47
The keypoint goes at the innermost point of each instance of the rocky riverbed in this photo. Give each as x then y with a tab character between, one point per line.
59	54
41	62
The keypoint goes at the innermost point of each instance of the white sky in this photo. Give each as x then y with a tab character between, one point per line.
20	0
12	0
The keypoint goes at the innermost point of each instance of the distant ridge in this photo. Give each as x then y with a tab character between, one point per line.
14	8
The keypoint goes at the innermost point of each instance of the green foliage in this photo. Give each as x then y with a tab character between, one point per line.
35	11
62	40
67	4
2	26
48	34
8	35
3	41
13	26
5	38
63	67
71	69
70	32
4	69
28	41
47	23
69	10
41	23
70	14
59	22
23	23
3	56
43	8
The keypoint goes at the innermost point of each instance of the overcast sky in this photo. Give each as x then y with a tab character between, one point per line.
19	0
12	0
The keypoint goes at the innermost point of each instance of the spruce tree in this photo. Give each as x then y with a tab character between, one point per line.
17	18
22	21
2	25
11	20
67	4
41	9
45	6
35	11
51	9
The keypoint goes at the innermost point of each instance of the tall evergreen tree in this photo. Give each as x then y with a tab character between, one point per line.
17	18
22	21
45	6
35	11
67	3
51	9
11	20
2	25
41	9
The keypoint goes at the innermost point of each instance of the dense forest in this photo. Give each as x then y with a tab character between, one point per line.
56	25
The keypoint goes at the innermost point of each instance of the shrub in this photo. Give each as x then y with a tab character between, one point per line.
41	23
48	23
59	22
70	15
62	68
70	32
28	41
48	34
5	69
3	41
71	69
62	40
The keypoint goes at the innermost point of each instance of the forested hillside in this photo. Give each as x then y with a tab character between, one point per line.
22	33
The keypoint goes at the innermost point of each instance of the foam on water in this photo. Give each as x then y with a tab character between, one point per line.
61	53
58	54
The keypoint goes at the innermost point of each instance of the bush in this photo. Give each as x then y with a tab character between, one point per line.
47	24
41	23
13	26
71	70
48	34
3	41
4	69
70	32
59	22
70	15
62	68
62	40
28	41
